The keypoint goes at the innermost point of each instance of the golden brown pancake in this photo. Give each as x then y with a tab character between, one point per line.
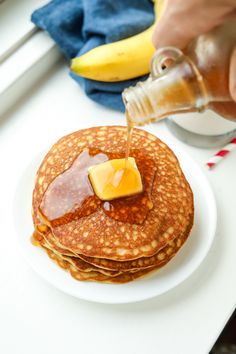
76	262
131	240
96	276
144	262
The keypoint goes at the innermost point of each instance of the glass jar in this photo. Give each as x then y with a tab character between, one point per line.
185	82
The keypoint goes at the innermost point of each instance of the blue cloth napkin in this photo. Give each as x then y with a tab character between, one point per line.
80	25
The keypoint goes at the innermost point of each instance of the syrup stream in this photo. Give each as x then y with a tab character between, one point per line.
129	137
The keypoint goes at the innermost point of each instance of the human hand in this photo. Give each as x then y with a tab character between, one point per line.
183	21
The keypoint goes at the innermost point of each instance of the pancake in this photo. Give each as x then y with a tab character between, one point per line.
122	240
76	262
96	276
142	263
101	236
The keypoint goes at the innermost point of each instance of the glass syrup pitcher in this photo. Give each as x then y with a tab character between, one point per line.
188	81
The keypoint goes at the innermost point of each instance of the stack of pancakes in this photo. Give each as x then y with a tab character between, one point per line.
97	247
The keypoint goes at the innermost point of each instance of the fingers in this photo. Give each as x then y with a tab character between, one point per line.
171	29
168	32
232	76
183	21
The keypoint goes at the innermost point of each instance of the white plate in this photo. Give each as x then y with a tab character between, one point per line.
180	267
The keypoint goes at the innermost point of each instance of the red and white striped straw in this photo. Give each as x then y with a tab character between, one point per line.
214	160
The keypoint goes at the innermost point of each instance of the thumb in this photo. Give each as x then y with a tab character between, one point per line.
168	32
232	75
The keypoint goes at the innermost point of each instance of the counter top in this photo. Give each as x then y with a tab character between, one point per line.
37	318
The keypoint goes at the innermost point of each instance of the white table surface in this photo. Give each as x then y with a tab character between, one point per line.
36	318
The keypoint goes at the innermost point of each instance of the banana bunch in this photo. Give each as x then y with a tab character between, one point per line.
121	60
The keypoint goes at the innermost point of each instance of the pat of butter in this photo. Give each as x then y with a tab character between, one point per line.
115	179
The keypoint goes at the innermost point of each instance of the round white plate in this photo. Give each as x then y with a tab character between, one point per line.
180	267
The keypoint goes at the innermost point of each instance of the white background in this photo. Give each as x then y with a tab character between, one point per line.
36	318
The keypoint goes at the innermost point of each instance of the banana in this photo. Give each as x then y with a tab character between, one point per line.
121	60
